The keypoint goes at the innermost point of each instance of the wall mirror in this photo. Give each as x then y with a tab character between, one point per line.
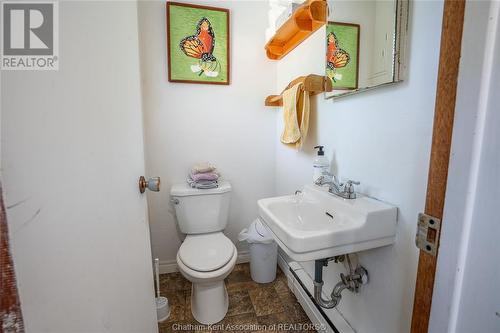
365	44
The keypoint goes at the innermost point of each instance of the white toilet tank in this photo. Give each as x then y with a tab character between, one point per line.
201	211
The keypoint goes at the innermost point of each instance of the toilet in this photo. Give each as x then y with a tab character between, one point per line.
206	256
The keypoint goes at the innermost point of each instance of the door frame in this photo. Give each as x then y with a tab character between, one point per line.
449	60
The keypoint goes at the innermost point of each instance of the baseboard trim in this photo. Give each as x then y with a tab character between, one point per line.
243	257
170	266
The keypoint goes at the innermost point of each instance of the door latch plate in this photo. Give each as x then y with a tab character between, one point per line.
428	230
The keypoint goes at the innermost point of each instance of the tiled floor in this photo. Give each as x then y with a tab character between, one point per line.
254	307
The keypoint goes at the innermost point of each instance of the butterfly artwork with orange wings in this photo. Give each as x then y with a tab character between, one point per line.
201	46
342	55
335	56
198	43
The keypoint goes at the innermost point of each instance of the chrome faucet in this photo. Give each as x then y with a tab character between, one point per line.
342	190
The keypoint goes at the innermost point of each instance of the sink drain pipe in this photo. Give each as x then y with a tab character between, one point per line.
318	287
351	282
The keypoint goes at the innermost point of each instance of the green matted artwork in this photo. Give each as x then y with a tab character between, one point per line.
198	44
342	55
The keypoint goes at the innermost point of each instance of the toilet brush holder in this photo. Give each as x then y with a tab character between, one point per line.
162	309
162	306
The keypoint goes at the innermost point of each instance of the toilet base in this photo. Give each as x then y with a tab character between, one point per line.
209	302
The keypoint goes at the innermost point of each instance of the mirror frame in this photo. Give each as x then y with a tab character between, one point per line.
400	52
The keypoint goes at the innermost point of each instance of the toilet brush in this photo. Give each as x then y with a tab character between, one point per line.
162	307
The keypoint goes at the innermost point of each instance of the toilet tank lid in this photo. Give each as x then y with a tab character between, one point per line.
183	190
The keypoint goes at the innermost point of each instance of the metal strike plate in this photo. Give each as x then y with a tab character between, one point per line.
427	237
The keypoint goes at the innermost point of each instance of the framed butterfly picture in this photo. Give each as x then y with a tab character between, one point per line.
342	55
198	44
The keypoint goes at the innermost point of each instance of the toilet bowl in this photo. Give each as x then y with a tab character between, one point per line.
206	260
206	256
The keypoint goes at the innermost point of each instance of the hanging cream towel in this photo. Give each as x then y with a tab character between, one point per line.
295	116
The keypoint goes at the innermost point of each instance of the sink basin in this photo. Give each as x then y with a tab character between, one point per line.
315	224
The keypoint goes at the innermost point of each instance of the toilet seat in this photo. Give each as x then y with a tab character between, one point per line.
207	277
206	252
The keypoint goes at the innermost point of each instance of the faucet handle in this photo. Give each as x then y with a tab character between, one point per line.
328	176
325	176
349	188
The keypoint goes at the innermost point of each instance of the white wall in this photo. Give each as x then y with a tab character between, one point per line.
72	152
381	138
226	125
466	294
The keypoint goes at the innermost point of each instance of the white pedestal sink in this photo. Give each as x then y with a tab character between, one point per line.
315	224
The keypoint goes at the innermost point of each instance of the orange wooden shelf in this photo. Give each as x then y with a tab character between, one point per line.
306	19
313	83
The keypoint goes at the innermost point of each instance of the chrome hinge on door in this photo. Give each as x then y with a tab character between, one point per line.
428	230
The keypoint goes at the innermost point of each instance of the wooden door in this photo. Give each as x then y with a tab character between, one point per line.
72	154
449	59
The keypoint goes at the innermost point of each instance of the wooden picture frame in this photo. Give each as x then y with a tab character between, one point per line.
198	44
345	64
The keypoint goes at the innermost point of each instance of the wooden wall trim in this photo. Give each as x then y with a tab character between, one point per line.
11	319
449	60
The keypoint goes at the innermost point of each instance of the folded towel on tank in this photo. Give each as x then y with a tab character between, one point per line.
202	168
203	184
204	176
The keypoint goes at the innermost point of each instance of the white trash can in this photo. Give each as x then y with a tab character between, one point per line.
263	251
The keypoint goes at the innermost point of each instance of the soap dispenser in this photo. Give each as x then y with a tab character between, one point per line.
321	164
